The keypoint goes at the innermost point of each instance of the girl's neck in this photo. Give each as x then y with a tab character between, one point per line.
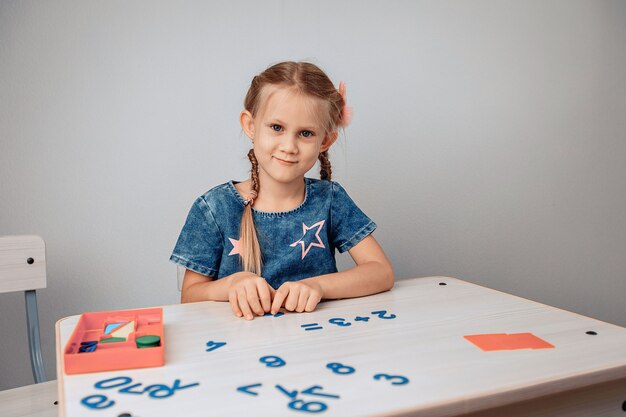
275	197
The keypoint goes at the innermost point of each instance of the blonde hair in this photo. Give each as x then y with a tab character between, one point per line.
305	78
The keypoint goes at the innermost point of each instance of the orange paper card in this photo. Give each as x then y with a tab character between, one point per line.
503	341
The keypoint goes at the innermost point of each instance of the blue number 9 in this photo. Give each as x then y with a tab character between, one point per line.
310	407
272	361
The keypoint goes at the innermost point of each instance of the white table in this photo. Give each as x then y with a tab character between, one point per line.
582	375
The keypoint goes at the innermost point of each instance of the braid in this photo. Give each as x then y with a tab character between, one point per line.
254	172
249	241
325	169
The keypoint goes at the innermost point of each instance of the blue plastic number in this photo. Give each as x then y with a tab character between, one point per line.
106	384
155	389
310	407
211	345
340	322
290	394
381	314
339	368
272	361
246	389
166	391
314	390
97	402
397	379
128	389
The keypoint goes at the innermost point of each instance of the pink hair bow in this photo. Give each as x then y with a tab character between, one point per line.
346	112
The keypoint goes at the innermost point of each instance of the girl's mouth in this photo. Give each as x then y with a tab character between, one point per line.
285	162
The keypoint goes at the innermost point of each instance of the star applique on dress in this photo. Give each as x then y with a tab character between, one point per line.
236	249
315	241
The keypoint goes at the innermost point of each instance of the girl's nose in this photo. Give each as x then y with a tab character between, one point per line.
288	144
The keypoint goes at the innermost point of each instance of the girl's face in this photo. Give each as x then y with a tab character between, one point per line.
288	135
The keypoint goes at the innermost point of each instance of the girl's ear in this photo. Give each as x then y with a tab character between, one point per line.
329	140
247	123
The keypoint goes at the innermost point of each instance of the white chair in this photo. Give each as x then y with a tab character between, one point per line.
36	400
180	274
23	268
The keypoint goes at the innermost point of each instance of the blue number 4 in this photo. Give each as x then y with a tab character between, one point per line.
211	345
290	394
129	389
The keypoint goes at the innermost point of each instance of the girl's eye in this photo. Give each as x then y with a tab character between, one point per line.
276	128
306	134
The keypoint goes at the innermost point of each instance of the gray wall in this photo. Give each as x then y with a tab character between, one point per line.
488	140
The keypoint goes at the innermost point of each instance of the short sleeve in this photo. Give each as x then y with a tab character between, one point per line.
349	224
199	246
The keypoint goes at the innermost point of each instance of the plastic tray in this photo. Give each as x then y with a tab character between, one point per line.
117	355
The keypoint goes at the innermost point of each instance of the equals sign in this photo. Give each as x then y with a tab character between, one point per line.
311	326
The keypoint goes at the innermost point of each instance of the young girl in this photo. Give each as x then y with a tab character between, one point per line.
269	242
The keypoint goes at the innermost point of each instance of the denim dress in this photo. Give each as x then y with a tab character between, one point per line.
295	244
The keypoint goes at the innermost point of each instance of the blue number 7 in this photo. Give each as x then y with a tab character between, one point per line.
311	391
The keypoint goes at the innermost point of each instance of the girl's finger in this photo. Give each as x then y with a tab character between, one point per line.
253	301
279	298
265	296
243	304
292	299
311	303
302	300
232	299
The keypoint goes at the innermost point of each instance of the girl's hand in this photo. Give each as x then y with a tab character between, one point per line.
297	296
249	293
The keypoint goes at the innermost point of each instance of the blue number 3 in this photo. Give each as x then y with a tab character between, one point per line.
397	379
